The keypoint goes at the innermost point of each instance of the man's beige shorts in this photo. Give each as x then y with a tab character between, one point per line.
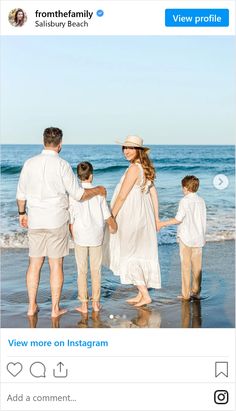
52	243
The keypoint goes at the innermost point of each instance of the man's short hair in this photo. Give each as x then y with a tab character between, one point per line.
84	170
52	136
191	183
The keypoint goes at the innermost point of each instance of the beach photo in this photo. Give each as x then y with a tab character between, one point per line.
170	99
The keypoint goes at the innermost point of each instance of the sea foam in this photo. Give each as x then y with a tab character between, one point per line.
20	239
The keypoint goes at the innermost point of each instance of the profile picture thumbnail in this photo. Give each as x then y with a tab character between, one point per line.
17	17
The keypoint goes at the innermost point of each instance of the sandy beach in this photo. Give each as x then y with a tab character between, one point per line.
215	310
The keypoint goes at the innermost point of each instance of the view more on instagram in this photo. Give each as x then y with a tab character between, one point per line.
118	205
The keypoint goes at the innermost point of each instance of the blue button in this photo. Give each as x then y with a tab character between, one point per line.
197	17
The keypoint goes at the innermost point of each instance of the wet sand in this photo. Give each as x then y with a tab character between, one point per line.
215	310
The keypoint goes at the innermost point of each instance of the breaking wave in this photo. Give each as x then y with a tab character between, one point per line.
20	239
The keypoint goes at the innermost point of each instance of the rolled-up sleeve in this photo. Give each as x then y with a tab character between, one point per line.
181	212
21	187
71	183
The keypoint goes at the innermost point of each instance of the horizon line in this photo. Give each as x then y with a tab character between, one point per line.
116	145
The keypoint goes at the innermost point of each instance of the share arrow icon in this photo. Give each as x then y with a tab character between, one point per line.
60	371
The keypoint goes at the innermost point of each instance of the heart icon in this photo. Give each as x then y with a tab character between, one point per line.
14	368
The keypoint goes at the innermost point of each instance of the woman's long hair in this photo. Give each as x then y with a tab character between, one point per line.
148	167
146	163
21	22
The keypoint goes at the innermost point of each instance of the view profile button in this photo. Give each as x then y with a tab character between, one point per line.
197	17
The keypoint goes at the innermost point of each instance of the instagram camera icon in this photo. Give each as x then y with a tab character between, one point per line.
221	397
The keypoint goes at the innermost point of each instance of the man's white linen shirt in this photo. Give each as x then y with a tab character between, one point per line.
88	219
192	214
45	182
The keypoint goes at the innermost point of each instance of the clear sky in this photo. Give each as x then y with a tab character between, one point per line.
169	90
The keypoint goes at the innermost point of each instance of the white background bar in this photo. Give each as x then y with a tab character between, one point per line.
118	369
120	17
140	369
118	397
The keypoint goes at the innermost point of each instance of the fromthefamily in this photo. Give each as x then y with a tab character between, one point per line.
53	202
85	14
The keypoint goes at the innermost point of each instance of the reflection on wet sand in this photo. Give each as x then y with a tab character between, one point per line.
84	321
55	322
33	319
191	314
95	322
147	318
144	317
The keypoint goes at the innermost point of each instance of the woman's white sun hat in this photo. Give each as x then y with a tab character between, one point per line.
133	141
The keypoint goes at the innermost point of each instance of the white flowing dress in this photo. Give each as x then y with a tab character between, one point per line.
132	252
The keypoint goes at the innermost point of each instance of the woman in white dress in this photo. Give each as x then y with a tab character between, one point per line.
132	252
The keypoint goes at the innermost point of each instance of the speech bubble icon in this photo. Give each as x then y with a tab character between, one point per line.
38	369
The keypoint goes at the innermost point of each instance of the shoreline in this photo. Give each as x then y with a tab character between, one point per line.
21	239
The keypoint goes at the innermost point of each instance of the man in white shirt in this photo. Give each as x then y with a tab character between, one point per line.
191	217
45	182
87	228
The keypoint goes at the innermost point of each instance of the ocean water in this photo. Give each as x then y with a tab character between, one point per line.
172	163
216	309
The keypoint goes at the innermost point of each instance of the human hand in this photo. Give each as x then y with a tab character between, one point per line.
23	220
102	191
71	231
159	225
113	230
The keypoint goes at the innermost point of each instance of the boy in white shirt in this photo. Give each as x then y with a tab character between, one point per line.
191	217
88	220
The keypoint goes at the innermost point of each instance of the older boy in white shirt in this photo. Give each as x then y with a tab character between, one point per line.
87	228
191	217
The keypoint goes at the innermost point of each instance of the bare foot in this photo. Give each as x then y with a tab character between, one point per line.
180	297
144	301
96	306
195	296
83	308
135	299
33	310
57	313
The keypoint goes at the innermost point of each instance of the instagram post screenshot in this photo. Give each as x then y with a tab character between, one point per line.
118	205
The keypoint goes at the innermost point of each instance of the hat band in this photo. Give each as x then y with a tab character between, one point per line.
133	144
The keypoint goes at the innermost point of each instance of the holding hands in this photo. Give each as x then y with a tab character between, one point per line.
159	225
166	223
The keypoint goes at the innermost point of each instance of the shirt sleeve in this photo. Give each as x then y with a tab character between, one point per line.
71	183
105	209
21	187
181	212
